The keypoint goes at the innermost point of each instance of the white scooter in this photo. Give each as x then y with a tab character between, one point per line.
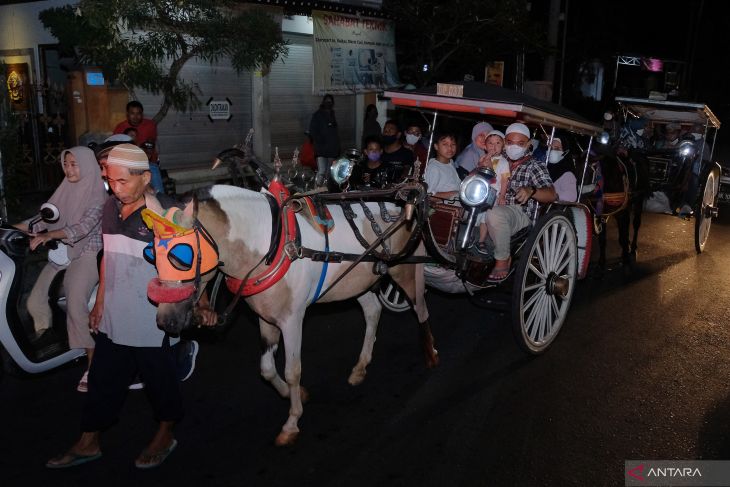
19	268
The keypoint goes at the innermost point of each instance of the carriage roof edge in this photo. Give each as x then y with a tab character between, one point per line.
480	98
670	111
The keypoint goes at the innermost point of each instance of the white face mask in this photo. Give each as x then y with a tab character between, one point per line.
697	136
411	139
555	156
640	132
515	152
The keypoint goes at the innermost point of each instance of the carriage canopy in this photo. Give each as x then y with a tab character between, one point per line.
494	101
664	111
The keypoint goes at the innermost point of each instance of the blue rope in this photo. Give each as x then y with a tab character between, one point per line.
322	276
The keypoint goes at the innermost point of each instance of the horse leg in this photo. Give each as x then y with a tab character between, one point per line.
371	308
291	328
638	210
622	220
270	335
601	252
413	282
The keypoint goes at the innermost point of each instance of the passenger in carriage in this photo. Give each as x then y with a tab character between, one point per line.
469	157
440	175
373	172
562	170
496	161
529	184
671	136
393	151
413	143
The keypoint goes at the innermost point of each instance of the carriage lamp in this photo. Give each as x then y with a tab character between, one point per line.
687	149
603	138
475	189
341	170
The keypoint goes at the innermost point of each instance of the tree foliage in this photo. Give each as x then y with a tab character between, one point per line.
145	43
460	36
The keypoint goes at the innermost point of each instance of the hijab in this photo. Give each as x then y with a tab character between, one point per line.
74	199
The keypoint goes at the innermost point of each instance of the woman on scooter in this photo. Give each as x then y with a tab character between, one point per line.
79	198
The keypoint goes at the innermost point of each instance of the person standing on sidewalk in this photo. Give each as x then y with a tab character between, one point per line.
146	138
323	130
128	339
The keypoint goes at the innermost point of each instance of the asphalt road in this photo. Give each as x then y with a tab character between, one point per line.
639	371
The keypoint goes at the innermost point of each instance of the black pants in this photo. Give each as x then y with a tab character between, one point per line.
115	366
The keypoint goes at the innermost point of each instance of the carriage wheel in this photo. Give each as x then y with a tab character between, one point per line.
545	279
706	210
392	296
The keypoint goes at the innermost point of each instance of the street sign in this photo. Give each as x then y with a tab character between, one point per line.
219	109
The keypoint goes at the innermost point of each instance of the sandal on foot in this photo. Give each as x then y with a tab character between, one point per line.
71	459
152	460
501	271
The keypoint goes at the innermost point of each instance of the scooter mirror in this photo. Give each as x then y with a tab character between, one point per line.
49	213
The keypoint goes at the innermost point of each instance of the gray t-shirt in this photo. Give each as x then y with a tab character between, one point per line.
129	317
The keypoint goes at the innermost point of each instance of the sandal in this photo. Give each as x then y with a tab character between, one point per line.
71	459
501	270
151	460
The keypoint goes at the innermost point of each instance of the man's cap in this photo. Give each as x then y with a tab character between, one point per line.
519	128
129	156
495	132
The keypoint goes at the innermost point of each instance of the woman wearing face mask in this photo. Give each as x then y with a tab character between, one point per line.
372	172
562	171
413	143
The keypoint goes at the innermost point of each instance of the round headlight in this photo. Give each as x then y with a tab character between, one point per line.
476	191
686	149
341	170
603	138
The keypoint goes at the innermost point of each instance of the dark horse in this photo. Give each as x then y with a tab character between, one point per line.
623	185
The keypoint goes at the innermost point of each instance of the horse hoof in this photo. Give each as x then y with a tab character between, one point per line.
356	377
432	358
286	438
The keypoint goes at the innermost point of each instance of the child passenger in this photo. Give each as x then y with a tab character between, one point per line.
496	161
440	175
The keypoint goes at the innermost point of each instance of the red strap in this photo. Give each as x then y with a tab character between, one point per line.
263	281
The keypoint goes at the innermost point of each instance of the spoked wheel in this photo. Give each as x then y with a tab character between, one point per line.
706	210
392	296
544	282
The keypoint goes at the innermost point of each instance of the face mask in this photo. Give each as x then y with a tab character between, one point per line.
374	155
640	132
389	139
697	136
515	152
555	156
411	139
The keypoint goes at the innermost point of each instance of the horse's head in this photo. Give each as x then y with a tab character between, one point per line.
185	255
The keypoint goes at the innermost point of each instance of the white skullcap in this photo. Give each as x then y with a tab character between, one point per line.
495	132
129	156
519	128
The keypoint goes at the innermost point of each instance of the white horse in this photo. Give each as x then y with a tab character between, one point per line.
240	222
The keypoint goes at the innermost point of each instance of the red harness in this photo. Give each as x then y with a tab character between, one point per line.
281	262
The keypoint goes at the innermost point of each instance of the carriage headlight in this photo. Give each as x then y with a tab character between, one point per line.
475	190
687	149
603	138
341	170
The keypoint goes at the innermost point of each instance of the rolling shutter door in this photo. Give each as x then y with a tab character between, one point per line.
292	103
192	139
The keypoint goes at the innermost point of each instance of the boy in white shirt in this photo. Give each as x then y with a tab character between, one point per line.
440	175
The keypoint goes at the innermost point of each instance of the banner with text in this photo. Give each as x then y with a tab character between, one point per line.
352	54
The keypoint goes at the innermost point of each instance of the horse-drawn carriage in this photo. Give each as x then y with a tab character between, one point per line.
679	155
548	257
282	252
